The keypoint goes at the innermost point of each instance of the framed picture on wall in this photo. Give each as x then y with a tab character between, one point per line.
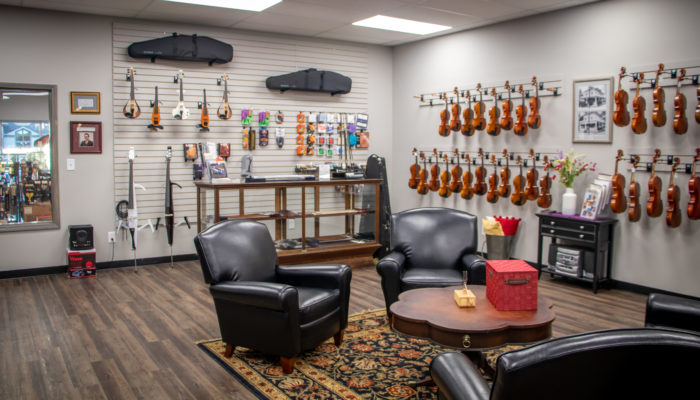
85	102
592	111
86	137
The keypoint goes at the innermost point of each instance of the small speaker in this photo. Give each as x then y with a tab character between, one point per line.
80	237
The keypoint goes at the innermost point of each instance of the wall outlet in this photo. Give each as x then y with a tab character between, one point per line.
290	223
111	237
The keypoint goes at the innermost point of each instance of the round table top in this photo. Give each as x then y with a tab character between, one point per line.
420	312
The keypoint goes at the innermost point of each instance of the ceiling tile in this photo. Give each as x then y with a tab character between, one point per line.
287	24
214	16
434	16
475	8
365	35
125	8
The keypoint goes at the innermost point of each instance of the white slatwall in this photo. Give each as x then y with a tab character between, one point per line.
256	56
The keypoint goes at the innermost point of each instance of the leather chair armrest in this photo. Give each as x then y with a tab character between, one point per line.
390	269
475	267
269	295
673	312
328	276
457	378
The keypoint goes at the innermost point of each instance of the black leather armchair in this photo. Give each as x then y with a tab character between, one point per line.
430	247
639	363
672	312
279	310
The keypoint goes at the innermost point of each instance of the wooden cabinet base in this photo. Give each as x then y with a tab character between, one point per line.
354	255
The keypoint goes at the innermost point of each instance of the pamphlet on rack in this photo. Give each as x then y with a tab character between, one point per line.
604	181
592	201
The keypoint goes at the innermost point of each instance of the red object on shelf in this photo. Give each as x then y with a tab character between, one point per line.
511	285
81	263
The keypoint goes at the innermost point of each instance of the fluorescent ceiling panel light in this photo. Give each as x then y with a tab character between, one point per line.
401	25
248	5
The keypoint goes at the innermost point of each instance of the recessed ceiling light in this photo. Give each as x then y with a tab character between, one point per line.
248	5
401	25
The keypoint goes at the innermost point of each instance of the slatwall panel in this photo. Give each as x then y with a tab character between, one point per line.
256	56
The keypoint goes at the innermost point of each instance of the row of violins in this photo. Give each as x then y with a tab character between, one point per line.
525	186
474	120
654	207
132	110
621	117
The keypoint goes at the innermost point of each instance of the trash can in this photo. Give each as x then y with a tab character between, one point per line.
498	247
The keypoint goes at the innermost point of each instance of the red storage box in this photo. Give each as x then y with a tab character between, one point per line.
81	263
511	285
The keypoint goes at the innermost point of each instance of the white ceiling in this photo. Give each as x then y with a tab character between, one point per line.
330	19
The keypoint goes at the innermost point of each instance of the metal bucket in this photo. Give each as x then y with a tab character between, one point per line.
498	247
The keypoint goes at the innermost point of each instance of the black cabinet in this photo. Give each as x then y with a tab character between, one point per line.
594	236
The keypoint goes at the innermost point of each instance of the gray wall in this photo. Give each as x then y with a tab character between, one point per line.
589	41
74	52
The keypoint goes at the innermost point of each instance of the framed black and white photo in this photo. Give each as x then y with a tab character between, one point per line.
592	111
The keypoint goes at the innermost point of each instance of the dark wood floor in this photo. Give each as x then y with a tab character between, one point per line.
128	335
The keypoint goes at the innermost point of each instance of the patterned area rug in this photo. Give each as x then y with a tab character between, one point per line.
373	362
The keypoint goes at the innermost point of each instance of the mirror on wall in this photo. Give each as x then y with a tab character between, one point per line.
28	165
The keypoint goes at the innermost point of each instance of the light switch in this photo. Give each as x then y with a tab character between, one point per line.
70	164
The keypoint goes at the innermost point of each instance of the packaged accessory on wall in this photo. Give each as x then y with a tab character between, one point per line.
279	137
264	137
224	150
311	80
183	48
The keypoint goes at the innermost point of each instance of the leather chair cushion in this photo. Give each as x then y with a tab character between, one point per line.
315	303
428	277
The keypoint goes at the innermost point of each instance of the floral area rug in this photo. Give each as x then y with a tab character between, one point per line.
373	362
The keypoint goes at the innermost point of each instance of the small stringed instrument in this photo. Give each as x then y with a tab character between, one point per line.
444	190
673	212
224	110
479	109
618	202
456	122
654	205
520	127
544	200
504	188
468	115
480	174
693	190
531	190
658	116
131	109
621	117
467	191
415	169
180	111
634	211
444	129
492	195
434	185
507	119
680	122
639	121
697	107
456	183
155	114
422	178
518	197
494	128
204	118
534	120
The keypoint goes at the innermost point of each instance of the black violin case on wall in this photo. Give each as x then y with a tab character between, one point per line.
183	48
311	80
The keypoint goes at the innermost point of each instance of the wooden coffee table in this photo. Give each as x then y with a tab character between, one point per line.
432	313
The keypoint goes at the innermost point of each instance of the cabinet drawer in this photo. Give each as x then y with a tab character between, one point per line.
577	225
568	234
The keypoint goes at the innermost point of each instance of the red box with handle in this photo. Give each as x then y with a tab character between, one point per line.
511	285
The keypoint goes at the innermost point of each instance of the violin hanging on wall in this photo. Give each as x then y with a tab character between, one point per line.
494	128
518	197
434	184
534	120
531	191
693	190
492	195
456	183
155	114
507	119
415	169
480	174
654	205
520	127
468	115
444	189
680	122
504	188
422	187
544	200
697	107
444	129
673	212
634	211
455	122
467	191
479	110
618	202
658	116
639	121
621	117
131	109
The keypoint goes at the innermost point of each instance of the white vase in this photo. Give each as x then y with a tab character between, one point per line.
568	202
